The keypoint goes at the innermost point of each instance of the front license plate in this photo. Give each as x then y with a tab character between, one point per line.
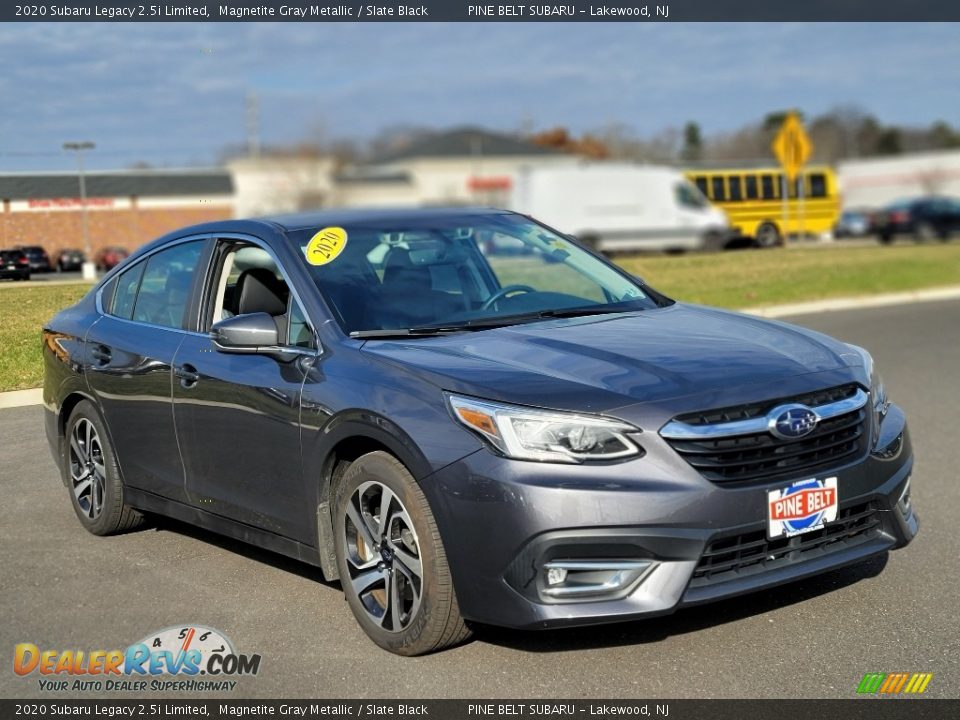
801	507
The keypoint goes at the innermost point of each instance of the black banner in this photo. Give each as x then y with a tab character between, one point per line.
539	709
480	11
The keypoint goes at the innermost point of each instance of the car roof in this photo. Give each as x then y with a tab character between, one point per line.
347	216
305	220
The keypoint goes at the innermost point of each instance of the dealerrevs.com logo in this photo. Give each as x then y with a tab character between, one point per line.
187	658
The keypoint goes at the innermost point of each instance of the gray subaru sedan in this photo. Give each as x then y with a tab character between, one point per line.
467	417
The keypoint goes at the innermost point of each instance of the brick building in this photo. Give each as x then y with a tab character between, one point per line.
125	208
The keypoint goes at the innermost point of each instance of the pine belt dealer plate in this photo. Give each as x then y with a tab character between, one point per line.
801	507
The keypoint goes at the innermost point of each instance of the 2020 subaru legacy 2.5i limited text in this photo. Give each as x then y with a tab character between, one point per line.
530	439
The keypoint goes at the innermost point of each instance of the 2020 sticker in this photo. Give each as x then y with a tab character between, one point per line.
326	245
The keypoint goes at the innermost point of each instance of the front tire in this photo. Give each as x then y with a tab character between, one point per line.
93	475
392	564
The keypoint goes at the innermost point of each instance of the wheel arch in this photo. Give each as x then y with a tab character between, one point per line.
348	436
67	406
66	409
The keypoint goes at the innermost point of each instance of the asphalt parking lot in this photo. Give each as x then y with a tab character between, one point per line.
63	588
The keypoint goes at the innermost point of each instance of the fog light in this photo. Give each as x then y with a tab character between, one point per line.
903	504
556	575
592	579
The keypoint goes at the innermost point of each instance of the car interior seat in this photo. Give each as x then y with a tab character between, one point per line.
259	290
408	290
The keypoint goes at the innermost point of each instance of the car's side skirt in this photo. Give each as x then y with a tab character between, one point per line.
150	502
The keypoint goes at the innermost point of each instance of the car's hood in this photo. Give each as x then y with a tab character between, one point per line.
603	362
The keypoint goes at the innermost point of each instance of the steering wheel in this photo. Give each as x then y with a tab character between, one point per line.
503	292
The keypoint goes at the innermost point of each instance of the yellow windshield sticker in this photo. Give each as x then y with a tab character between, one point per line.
326	245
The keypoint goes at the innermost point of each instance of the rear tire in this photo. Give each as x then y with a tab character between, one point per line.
768	235
394	573
93	475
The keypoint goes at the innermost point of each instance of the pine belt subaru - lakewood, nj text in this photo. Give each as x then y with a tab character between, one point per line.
530	439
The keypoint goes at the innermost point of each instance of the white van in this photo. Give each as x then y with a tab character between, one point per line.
616	207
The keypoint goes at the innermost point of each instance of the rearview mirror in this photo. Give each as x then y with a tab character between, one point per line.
251	333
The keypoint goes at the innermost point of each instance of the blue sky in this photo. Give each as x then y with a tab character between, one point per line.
173	94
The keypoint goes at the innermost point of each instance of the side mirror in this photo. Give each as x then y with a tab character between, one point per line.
250	334
255	334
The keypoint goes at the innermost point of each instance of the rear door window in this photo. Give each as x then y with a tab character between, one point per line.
126	287
167	283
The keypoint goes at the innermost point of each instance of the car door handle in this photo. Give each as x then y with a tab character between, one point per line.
188	375
102	354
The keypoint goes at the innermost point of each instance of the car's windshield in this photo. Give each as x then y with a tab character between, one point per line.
459	271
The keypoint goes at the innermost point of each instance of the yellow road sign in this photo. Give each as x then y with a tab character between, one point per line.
792	146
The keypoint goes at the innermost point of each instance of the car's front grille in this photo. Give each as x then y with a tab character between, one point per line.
716	444
743	412
738	556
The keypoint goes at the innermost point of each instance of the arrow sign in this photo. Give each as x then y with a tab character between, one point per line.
792	146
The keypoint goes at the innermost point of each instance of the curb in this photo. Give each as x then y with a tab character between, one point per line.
23	398
44	283
855	303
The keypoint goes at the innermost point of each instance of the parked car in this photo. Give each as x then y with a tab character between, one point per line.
852	224
70	260
14	265
922	219
521	443
37	257
109	257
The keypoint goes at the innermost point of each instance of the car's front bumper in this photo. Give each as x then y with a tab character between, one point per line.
503	520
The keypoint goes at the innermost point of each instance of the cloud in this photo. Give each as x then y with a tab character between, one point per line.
169	93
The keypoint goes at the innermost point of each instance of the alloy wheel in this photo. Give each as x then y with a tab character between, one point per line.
383	557
87	471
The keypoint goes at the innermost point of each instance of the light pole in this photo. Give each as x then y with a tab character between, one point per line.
89	268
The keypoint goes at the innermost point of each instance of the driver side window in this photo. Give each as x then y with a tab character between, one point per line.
249	281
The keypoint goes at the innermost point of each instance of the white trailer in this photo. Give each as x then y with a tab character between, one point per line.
875	182
618	207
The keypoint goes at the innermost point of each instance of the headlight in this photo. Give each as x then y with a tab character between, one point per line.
528	434
878	393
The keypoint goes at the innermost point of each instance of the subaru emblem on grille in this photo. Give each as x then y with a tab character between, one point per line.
793	422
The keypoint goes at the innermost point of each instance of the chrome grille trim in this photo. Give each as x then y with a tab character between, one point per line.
677	430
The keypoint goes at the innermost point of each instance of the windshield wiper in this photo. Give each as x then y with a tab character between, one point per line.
406	332
489	323
583	311
506	320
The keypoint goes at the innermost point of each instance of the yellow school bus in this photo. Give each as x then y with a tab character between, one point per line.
754	203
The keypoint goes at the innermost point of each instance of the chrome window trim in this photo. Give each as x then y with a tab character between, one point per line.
677	430
143	258
215	236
